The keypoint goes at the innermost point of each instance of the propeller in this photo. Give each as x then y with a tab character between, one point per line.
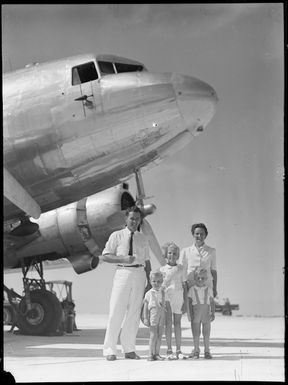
153	242
145	226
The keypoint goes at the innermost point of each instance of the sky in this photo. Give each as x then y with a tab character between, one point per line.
231	176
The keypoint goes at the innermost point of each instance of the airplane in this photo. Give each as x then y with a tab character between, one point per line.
225	307
75	131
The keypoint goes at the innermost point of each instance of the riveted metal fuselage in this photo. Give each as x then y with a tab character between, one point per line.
61	149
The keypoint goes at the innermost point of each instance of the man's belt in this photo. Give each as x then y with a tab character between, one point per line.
130	265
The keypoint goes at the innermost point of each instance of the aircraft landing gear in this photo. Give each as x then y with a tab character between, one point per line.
39	312
42	315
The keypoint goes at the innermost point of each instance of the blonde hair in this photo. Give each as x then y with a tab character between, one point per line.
200	271
170	244
156	273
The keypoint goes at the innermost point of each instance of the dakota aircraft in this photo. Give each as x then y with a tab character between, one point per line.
75	131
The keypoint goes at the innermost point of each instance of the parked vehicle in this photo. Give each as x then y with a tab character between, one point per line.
225	307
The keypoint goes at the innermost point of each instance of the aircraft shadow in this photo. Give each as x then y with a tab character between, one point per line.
88	343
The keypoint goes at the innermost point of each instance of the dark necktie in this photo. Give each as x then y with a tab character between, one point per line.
130	252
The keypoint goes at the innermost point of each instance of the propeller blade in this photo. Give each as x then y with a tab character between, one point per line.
153	242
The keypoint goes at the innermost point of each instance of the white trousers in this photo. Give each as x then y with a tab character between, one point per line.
125	302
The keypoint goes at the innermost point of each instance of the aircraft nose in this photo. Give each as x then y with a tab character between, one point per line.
196	100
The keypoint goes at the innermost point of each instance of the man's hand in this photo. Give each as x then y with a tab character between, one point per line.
146	322
129	259
189	283
212	317
215	292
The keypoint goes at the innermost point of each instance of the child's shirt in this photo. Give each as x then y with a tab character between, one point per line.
200	295
155	298
174	276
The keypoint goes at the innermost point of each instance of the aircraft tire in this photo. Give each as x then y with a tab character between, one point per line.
45	316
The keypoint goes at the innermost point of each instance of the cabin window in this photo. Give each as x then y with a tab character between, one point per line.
106	67
84	73
123	67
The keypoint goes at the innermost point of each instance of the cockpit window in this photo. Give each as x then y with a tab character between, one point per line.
84	73
106	67
123	67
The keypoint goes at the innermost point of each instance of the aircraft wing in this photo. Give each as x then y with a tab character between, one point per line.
48	265
19	196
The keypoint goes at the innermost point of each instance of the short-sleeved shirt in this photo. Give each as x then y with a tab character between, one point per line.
201	294
118	244
177	274
203	256
155	298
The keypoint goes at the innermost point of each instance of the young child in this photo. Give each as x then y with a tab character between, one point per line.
154	314
175	290
202	311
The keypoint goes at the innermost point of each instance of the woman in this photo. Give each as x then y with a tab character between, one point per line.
200	254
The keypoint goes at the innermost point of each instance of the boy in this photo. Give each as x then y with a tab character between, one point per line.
154	314
202	311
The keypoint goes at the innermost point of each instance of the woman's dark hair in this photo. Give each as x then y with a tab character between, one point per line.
201	225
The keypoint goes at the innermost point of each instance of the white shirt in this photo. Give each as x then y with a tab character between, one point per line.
201	294
155	298
204	256
174	276
118	244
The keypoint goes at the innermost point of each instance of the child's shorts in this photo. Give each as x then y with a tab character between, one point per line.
175	298
157	316
201	313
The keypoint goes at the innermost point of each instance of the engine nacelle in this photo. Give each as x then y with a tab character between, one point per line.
78	231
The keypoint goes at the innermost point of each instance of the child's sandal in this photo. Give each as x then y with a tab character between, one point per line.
157	357
170	355
194	355
207	355
180	355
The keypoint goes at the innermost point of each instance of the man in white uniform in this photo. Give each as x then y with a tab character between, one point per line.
132	269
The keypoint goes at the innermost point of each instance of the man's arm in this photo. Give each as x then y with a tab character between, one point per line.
112	258
109	253
214	276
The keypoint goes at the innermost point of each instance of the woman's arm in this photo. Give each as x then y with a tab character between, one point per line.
185	292
214	276
212	306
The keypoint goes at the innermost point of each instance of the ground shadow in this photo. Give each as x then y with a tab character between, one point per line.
88	343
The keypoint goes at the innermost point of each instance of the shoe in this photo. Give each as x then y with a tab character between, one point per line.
194	355
132	356
169	355
151	358
180	355
208	356
111	357
157	357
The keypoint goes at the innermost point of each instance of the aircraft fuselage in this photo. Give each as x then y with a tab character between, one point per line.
61	149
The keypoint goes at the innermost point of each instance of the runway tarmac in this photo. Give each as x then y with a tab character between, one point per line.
243	349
